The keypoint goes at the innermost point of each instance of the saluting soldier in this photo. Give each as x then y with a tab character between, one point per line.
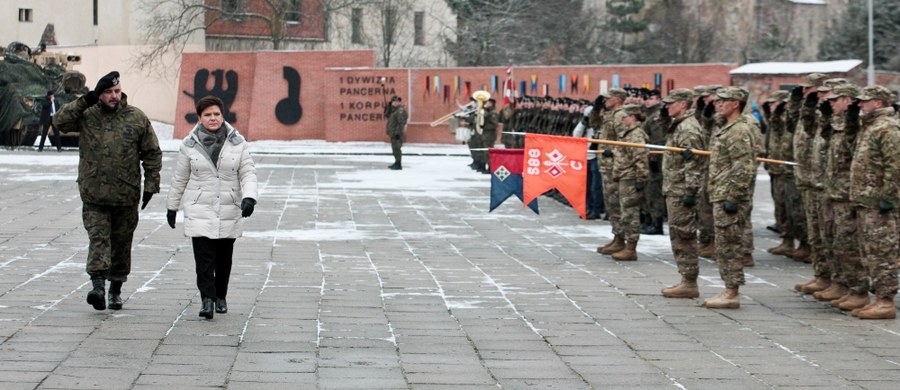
396	130
653	205
612	120
630	172
706	115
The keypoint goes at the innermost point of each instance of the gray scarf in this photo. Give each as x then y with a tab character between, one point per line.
212	142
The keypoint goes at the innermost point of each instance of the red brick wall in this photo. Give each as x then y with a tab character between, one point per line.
310	26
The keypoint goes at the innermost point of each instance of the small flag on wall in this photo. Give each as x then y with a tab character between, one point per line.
534	83
562	84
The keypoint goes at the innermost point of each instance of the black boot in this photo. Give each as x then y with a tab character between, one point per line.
208	308
221	306
97	296
115	295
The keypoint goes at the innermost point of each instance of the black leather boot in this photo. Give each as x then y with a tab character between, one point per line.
97	296
208	309
115	295
221	306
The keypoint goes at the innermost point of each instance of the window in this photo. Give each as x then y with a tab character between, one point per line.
356	25
96	19
25	14
294	11
231	6
390	21
419	39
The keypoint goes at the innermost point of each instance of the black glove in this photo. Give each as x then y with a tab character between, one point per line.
687	154
766	166
812	99
247	207
170	217
688	200
91	98
767	109
853	111
825	108
664	111
607	153
709	110
779	108
701	105
146	199
730	207
640	185
797	94
885	206
655	166
586	120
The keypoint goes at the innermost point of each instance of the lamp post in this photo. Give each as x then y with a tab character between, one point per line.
871	70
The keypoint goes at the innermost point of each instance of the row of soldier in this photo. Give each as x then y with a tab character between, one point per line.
851	240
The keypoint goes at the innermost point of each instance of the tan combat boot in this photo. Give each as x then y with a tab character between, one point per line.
786	247
617	244
727	299
629	253
799	286
818	285
834	291
882	309
854	301
802	253
685	289
707	250
747	260
839	301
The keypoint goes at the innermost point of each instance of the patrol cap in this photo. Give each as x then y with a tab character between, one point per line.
632	109
779	96
876	92
698	90
710	89
731	93
827	85
617	92
813	80
848	90
679	95
746	93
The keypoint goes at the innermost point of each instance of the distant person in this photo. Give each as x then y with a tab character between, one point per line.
115	140
216	174
396	130
48	109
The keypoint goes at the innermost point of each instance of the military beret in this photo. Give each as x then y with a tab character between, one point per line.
813	80
848	90
106	82
778	96
396	98
876	92
731	93
617	92
678	95
632	109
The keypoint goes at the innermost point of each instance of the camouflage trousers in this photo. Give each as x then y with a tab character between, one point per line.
793	208
705	216
878	240
826	236
683	236
729	243
110	230
488	139
843	225
654	202
747	237
396	144
813	234
629	210
611	199
781	219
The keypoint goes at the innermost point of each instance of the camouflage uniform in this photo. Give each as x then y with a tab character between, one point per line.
488	134
113	145
731	171
707	119
654	203
758	151
630	170
874	175
612	120
396	130
683	177
774	150
506	118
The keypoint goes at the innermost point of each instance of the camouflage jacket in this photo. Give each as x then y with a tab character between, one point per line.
802	140
875	170
612	120
680	176
113	144
732	166
631	163
819	153
396	124
491	122
840	155
656	134
775	143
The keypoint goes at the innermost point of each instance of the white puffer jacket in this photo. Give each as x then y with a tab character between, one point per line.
212	196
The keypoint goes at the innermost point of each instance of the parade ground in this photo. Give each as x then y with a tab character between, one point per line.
353	276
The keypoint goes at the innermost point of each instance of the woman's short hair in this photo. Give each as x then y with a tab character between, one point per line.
209	101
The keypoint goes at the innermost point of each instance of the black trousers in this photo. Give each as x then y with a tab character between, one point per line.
56	137
213	260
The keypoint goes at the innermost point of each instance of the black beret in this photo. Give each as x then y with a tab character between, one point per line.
106	82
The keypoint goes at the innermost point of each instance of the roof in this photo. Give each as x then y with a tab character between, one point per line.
840	66
810	2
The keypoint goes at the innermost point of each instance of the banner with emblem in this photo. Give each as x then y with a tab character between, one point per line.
506	176
555	162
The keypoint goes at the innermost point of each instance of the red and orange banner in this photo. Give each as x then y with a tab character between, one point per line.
555	162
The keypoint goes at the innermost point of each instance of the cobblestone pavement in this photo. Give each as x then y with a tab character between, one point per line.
353	276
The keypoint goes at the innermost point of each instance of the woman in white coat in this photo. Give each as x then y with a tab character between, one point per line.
215	181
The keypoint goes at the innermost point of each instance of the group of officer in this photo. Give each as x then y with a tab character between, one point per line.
835	209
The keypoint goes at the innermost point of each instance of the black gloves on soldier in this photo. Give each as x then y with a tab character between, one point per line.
91	98
779	108
812	99
688	200
170	218
730	207
687	154
640	185
146	199
608	153
825	108
885	206
797	94
247	207
853	111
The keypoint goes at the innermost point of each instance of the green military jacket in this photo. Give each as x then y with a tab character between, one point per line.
113	144
875	170
612	120
684	177
396	126
631	163
732	166
840	155
804	133
819	154
775	149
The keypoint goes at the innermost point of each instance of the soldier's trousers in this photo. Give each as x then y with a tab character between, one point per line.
729	245
611	199
879	243
396	144
488	139
475	143
747	238
683	236
793	207
705	224
844	226
826	236
781	219
110	230
630	210
654	202
813	233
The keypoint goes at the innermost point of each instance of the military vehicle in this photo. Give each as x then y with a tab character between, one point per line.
25	78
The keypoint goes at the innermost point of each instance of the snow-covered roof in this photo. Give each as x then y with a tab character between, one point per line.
812	2
840	66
